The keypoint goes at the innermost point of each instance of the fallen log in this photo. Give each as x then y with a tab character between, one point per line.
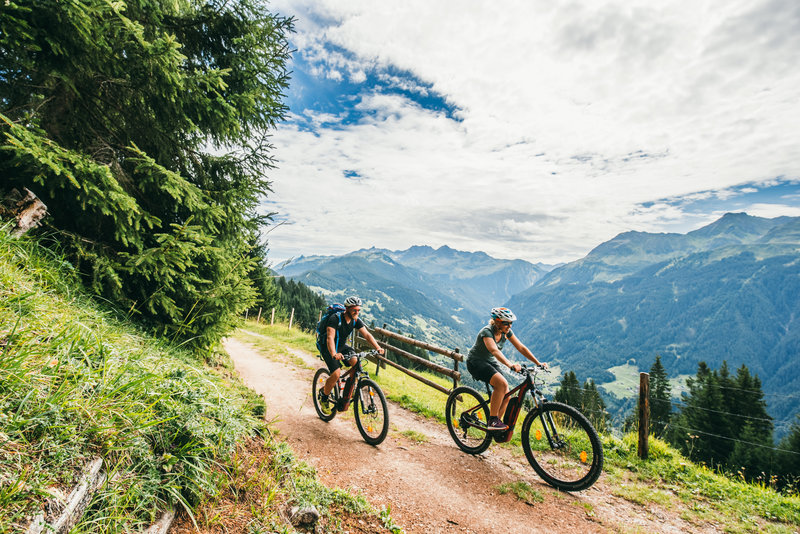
25	208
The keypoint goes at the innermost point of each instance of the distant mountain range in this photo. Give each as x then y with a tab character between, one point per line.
440	295
727	291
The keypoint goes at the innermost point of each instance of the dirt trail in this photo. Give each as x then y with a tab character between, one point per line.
431	487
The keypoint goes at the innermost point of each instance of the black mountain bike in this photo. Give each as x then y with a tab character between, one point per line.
372	415
561	445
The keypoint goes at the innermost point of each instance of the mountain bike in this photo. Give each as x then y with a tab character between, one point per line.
561	445
370	409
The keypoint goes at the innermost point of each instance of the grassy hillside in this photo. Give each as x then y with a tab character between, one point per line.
78	381
667	481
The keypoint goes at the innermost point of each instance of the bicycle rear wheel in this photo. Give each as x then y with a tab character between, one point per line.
372	415
467	414
325	412
562	446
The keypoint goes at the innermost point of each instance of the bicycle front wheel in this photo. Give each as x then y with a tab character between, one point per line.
467	414
372	414
562	446
325	410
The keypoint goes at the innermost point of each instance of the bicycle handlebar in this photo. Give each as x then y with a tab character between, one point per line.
532	369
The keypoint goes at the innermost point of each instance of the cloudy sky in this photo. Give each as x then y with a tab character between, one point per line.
532	129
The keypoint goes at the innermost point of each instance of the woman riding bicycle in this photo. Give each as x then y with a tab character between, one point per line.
483	358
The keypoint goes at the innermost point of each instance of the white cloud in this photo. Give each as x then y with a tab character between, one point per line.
773	210
572	116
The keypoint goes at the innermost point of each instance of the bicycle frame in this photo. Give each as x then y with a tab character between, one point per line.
349	379
514	407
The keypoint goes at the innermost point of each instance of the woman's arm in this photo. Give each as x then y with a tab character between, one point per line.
525	351
491	346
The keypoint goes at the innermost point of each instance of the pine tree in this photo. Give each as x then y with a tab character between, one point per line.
569	391
699	431
306	304
660	398
143	126
724	422
593	406
751	426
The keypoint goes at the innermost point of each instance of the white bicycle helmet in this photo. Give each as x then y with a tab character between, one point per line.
352	301
504	314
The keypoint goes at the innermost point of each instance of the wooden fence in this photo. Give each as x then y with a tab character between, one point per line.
382	336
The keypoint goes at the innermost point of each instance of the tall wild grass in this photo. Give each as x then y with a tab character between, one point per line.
76	382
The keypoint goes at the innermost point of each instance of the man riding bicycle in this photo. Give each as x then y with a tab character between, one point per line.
336	330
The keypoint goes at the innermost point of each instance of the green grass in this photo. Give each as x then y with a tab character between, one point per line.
666	479
522	491
281	332
417	437
703	491
643	494
626	382
78	381
275	348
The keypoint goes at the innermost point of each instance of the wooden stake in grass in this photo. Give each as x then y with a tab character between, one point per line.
644	414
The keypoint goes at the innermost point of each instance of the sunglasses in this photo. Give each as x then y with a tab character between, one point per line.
506	323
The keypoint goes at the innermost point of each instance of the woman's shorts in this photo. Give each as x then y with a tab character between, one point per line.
483	370
334	364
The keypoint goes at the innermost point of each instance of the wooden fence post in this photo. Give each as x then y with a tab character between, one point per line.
291	319
258	320
377	361
245	314
455	368
644	414
272	320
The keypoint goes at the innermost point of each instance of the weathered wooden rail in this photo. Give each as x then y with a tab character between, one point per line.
382	335
64	512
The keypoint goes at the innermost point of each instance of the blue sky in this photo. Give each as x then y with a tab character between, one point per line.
531	129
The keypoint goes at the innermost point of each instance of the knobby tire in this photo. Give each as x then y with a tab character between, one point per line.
571	459
316	388
468	427
371	411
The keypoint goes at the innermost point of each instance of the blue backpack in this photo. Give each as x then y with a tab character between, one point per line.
322	333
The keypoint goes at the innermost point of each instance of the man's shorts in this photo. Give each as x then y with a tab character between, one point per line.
483	370
334	364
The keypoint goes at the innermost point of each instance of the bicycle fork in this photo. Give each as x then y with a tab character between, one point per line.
551	431
367	399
